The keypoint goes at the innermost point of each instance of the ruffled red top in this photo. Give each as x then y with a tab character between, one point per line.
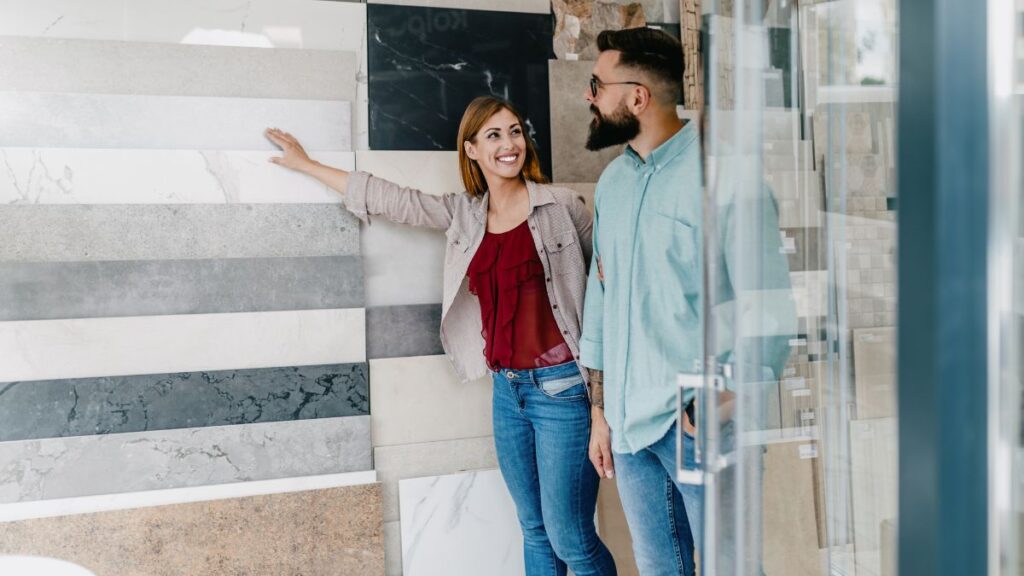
519	327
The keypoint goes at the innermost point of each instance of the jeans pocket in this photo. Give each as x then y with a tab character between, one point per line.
568	388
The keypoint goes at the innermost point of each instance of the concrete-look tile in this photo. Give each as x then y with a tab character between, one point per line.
58	290
411	401
83	406
394	463
873	462
613	529
402	331
173	232
529	6
789	524
97	176
874	371
392	548
104	67
570	124
403	264
314	532
77	466
54	349
460	524
51	119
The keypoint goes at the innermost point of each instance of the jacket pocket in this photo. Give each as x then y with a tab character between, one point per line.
563	252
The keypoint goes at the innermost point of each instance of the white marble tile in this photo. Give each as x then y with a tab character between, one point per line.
460	524
403	265
394	463
95	176
409	394
76	466
19	511
528	6
873	461
69	120
53	349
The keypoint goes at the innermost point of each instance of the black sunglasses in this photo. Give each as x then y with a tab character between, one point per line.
595	84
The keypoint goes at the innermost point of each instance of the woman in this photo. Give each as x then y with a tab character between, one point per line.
514	279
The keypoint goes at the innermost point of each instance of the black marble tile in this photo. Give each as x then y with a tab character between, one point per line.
86	406
427	64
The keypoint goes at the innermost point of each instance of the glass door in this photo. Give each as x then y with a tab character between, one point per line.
796	403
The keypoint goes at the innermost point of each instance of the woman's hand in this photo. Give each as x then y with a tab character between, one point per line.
295	156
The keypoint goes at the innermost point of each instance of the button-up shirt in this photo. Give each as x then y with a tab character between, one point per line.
642	325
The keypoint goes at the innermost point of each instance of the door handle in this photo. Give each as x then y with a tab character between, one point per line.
706	432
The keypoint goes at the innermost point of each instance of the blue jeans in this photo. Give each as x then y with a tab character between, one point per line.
542	435
665	518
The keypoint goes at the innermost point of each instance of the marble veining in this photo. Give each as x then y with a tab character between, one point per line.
78	466
427	64
121	404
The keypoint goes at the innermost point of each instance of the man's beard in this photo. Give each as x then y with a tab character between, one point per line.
618	128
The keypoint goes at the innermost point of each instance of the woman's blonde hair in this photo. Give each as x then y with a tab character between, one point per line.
479	111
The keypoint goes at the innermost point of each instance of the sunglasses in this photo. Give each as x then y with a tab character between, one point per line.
596	84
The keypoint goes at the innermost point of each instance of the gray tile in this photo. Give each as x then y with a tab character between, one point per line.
54	290
401	331
169	232
808	245
98	67
120	404
570	123
50	119
117	463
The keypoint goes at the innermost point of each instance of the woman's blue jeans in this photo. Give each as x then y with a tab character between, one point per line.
542	436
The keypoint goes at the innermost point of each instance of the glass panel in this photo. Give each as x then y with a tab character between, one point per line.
801	288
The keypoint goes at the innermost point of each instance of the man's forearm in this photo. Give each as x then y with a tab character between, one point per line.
597	389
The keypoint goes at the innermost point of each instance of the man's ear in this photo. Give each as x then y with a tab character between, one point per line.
640	99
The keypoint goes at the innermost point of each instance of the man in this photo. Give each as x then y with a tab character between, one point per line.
643	314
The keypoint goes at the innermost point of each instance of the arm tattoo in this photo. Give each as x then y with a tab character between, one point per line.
597	388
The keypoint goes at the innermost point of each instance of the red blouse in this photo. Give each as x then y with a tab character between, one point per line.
507	277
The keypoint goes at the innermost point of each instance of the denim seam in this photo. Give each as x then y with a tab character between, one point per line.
671	509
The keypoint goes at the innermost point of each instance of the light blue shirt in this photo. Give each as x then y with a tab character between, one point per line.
643	324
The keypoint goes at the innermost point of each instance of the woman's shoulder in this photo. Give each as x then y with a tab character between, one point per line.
562	194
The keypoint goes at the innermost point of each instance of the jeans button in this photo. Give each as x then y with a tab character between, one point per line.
510	374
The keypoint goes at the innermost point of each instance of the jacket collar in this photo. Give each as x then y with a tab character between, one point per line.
540	195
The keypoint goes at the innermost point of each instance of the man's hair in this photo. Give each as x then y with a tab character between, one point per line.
652	52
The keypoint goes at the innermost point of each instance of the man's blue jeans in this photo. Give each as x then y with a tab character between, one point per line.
664	517
542	436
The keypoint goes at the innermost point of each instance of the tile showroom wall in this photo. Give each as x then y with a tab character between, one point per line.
206	365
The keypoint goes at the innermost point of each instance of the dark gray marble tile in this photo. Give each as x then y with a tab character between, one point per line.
57	290
402	331
84	406
427	64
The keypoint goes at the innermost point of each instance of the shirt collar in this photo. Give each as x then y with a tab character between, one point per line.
668	150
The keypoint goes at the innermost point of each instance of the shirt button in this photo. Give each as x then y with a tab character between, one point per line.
548	279
566	332
559	245
554	306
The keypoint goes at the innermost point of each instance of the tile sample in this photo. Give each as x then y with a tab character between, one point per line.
393	548
427	64
579	23
257	23
799	198
313	532
52	349
400	331
83	406
874	370
160	69
403	264
570	124
408	394
874	461
395	463
94	176
613	529
790	527
529	6
97	233
465	523
71	120
810	291
57	290
804	248
77	466
777	124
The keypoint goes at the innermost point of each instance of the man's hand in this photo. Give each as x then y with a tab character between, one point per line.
601	444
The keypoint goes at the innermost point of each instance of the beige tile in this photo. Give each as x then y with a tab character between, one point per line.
873	458
420	399
394	463
612	527
393	548
874	371
570	123
315	532
790	526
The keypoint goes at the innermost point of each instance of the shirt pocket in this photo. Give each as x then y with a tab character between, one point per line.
681	239
563	252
